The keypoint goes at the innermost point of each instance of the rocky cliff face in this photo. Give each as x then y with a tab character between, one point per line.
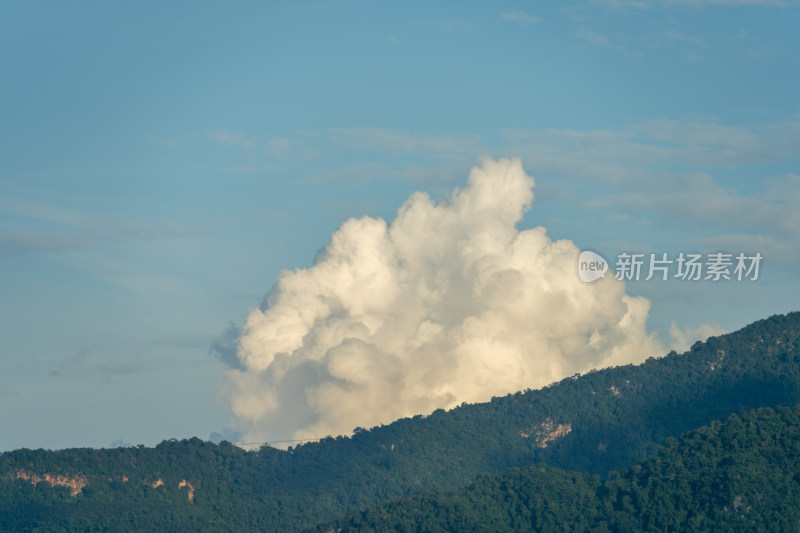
74	483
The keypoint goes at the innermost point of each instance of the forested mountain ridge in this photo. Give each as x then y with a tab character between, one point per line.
605	420
743	475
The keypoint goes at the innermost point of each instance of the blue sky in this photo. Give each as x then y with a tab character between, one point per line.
161	163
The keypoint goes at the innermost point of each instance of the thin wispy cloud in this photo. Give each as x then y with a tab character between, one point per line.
21	242
44	228
278	147
87	361
394	141
605	154
696	197
700	134
602	40
729	3
455	25
130	274
173	143
679	37
648	4
119	370
184	341
520	17
447	25
228	138
69	363
692	48
782	253
621	5
637	167
354	174
256	169
756	48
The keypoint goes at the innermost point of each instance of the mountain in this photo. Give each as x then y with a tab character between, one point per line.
743	475
602	421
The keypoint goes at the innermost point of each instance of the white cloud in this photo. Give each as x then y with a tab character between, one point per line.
520	17
278	146
173	143
776	252
700	134
692	48
398	142
610	157
621	4
679	37
353	174
231	139
21	242
593	37
630	154
447	303
729	3
640	172
645	4
695	196
448	25
604	41
127	274
58	229
255	169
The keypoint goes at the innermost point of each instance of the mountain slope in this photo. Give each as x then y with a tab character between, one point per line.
605	420
743	475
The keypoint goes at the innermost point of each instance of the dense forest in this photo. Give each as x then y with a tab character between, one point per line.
743	475
597	423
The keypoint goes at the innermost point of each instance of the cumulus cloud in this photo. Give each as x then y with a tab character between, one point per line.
448	303
224	347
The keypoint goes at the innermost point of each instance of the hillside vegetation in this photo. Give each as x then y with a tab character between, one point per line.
743	475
